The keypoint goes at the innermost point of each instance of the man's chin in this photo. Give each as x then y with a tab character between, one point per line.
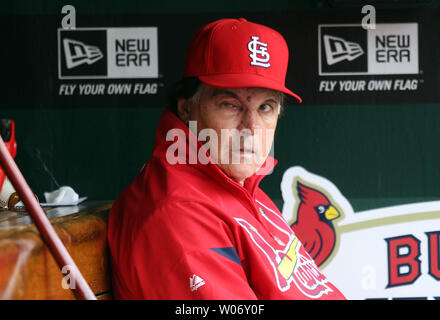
239	172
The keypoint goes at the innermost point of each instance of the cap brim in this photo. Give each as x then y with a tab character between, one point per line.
244	81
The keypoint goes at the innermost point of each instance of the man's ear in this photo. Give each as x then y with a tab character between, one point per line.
183	106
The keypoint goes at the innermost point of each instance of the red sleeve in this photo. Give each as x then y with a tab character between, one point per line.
186	251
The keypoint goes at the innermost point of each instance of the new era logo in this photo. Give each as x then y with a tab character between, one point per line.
77	53
195	282
337	49
108	53
348	49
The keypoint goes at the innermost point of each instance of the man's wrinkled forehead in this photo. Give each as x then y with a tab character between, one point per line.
244	93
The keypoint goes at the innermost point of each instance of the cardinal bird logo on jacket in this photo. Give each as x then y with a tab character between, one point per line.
313	225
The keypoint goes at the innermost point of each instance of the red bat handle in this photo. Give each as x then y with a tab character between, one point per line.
43	224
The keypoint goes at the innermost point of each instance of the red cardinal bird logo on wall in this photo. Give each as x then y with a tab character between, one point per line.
313	225
312	206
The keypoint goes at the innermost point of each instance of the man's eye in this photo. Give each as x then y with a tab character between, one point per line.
266	107
230	105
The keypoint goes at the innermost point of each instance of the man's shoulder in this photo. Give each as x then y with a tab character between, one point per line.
183	209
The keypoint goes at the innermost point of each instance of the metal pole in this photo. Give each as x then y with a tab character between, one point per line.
43	224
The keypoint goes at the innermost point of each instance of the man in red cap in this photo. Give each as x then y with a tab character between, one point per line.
194	223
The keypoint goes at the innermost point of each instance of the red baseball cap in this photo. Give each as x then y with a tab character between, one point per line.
236	53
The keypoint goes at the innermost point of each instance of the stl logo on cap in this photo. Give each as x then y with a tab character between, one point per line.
259	55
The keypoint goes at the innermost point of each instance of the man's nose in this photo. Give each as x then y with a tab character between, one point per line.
249	121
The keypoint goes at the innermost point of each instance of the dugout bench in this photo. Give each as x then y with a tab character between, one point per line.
27	268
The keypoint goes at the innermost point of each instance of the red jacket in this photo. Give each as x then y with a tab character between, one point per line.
188	231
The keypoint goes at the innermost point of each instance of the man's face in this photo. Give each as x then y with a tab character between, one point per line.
244	121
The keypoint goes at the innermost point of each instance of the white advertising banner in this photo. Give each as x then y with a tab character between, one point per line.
384	253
